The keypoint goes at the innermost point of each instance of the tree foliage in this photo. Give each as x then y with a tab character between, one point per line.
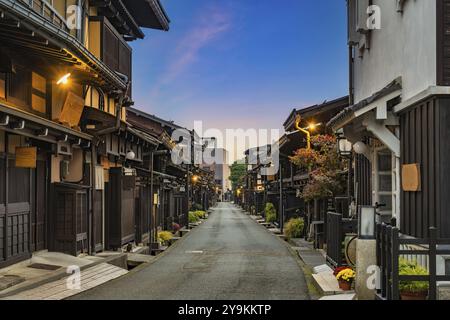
237	173
325	166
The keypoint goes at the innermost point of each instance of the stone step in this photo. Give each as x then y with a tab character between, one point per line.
327	284
58	290
183	231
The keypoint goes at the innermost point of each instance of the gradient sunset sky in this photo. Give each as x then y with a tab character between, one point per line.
241	63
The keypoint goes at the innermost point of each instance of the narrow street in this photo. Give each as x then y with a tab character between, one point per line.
227	257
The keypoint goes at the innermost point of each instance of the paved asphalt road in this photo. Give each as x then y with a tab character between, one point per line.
229	257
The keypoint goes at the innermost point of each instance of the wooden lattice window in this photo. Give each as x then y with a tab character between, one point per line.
19	86
2	86
38	95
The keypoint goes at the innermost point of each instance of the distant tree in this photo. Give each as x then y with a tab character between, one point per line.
237	173
325	167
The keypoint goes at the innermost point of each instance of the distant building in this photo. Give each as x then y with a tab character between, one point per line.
221	171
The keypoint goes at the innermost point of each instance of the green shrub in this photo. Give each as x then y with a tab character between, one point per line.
271	214
294	228
193	217
411	268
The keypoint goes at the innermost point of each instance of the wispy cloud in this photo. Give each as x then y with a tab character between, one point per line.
213	22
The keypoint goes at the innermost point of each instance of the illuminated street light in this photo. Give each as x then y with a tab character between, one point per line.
64	79
311	127
194	178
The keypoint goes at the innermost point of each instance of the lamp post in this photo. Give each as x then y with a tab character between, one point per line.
311	127
345	150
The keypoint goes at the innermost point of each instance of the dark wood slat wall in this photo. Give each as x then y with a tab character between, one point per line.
363	174
424	140
444	163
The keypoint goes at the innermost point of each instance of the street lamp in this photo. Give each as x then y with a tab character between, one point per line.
311	127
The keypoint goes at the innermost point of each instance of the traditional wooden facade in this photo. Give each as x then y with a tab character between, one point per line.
65	75
169	198
398	120
283	188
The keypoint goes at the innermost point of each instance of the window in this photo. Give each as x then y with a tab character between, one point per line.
38	84
2	86
383	179
19	88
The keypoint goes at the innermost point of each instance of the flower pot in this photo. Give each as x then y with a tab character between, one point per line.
407	295
345	285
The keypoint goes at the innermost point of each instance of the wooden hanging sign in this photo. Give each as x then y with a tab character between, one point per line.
26	157
72	110
411	177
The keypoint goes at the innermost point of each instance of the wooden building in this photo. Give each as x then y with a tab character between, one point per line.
65	81
398	119
283	189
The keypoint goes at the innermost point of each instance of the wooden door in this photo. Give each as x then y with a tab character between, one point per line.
38	217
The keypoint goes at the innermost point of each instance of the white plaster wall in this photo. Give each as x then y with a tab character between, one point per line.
405	46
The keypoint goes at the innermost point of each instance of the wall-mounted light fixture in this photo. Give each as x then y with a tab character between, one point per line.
64	79
361	148
344	147
131	155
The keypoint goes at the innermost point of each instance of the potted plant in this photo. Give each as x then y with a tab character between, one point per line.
345	278
164	237
339	269
412	290
175	227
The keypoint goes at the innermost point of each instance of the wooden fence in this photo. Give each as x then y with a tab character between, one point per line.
391	245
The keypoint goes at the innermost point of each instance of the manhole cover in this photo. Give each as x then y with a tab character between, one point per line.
43	266
9	281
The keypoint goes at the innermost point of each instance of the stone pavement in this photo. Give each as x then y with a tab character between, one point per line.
228	257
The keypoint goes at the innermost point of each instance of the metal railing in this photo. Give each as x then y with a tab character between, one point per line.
47	11
391	246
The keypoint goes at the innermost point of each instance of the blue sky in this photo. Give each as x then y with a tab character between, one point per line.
241	63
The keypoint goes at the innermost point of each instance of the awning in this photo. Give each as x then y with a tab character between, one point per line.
27	124
389	92
148	13
25	29
144	136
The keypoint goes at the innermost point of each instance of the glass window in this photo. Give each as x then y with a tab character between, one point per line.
384	162
2	86
19	89
387	201
385	182
39	89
